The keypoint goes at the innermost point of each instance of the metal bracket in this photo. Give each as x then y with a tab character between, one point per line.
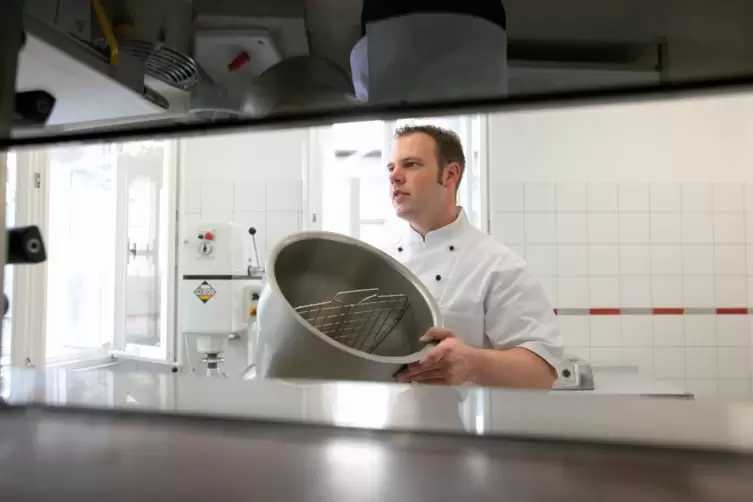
25	246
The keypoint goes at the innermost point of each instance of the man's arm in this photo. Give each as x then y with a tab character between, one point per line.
516	367
522	328
454	363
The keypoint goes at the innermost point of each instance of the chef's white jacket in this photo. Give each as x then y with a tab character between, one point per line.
486	293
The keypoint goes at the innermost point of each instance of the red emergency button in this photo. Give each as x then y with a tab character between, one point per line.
209	236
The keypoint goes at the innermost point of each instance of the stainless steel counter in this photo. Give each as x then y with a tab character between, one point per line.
468	411
95	435
50	455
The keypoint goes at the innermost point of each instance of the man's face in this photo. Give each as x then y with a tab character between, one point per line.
415	186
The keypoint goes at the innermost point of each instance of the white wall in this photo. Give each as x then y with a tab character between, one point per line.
252	178
632	208
625	207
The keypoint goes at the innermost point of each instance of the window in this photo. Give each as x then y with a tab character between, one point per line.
107	213
469	130
355	182
143	171
355	201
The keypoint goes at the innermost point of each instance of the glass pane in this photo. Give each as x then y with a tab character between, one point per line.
10	218
81	244
375	191
357	165
142	165
353	177
336	214
358	136
375	234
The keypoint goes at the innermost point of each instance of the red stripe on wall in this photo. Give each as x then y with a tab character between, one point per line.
655	311
732	311
604	311
668	311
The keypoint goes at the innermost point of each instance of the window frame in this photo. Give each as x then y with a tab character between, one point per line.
319	147
476	409
28	346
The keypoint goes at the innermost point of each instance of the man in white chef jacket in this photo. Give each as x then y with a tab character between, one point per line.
499	328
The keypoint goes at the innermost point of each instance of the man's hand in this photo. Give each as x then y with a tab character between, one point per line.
450	363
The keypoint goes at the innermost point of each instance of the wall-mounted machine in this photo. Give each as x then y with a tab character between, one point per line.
219	288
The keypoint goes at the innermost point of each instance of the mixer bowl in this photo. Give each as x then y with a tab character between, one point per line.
312	268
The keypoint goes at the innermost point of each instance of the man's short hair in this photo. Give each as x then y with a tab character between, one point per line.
449	146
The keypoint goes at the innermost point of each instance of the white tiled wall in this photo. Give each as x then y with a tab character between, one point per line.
638	206
643	245
251	178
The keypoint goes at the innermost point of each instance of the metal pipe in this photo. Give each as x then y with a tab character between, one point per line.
11	39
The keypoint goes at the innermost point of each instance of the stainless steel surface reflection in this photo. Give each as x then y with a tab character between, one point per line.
313	267
75	455
400	407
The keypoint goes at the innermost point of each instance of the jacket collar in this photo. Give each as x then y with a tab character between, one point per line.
445	234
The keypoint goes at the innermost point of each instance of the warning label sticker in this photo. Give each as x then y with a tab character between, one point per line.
204	292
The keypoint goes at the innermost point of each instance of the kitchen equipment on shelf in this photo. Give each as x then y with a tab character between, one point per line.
298	83
219	286
164	63
336	308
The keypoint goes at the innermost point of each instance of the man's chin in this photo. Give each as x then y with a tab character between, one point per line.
402	212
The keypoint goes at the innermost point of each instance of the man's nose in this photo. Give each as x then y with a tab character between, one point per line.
396	175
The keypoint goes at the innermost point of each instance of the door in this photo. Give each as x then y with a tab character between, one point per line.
142	200
82	191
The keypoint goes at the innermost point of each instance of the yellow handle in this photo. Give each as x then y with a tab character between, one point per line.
104	23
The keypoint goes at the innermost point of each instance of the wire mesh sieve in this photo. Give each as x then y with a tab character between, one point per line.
360	319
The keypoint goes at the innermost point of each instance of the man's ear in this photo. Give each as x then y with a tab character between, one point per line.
451	173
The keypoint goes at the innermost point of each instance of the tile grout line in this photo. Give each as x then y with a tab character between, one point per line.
588	272
682	284
619	280
556	242
713	261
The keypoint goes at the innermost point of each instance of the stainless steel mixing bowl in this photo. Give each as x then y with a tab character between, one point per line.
312	268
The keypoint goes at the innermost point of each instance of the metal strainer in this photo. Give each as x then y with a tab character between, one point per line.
360	319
